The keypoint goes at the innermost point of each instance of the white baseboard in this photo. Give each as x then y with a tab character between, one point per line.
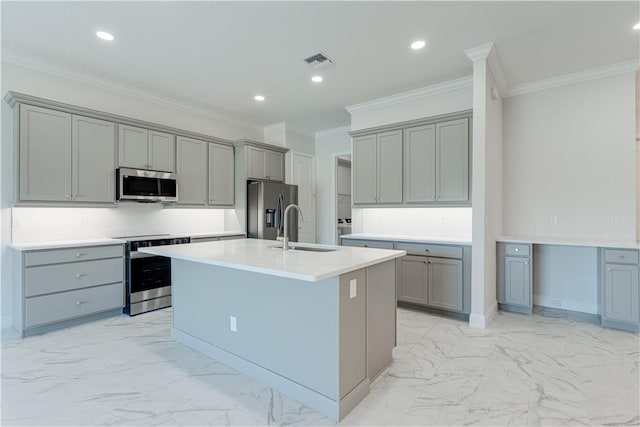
481	321
566	304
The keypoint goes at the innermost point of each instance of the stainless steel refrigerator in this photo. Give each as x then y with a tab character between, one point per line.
266	202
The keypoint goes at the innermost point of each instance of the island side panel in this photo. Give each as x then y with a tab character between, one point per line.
287	326
381	316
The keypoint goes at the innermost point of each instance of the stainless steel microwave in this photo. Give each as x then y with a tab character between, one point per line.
139	185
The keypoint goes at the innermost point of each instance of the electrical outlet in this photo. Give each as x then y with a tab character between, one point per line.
233	324
83	221
614	220
554	219
353	285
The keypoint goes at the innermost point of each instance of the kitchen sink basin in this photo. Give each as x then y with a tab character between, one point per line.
305	248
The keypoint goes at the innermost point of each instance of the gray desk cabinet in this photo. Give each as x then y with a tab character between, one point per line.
377	169
192	165
54	288
140	148
515	277
45	154
221	175
620	295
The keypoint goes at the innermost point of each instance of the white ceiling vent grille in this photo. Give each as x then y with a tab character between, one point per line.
319	60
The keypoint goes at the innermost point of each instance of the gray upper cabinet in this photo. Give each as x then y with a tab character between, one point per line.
221	175
140	148
452	164
265	164
420	164
45	154
377	168
192	162
93	160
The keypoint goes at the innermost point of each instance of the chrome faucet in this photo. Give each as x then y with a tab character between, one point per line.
285	238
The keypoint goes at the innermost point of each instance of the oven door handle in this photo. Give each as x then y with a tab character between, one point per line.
137	255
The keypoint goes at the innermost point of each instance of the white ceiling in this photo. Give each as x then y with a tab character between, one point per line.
218	55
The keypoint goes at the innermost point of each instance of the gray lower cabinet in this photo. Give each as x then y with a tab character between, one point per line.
444	284
412	279
380	244
620	293
59	287
192	164
515	277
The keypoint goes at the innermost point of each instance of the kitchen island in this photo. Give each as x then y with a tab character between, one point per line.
316	323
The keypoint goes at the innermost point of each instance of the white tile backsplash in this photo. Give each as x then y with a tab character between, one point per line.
434	222
36	224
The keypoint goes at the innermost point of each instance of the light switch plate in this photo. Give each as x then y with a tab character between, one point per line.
353	284
233	324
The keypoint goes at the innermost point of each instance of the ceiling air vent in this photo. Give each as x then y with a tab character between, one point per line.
319	60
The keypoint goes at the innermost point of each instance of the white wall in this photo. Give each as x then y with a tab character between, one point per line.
569	152
328	145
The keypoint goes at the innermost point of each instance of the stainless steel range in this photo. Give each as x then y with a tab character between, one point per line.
148	277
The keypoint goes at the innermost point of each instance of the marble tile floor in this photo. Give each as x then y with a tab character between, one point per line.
524	370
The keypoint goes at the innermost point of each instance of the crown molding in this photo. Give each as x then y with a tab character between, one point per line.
479	52
580	76
342	130
275	126
30	62
411	95
489	53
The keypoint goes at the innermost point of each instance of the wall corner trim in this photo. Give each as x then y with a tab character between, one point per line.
411	95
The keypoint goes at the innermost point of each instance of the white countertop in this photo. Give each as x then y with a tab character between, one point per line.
260	256
217	234
407	238
570	242
58	244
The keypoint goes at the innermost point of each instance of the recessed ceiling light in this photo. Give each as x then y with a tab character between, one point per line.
316	79
637	26
418	44
104	35
259	98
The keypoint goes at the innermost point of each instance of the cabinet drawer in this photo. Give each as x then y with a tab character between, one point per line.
430	250
55	256
379	244
67	305
621	256
515	249
65	277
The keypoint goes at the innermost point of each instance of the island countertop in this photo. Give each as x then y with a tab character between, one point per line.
261	256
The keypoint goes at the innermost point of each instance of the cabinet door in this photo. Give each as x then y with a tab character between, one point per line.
390	167
275	166
161	152
445	284
133	147
452	151
621	299
45	154
256	163
364	172
192	171
221	175
412	279
93	160
420	164
517	278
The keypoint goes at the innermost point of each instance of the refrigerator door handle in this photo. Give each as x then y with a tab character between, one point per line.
280	216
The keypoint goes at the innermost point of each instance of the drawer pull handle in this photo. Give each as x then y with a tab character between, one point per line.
608	268
526	263
366	246
426	250
79	303
517	250
80	275
80	254
429	262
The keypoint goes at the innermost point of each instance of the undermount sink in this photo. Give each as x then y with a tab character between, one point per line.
305	248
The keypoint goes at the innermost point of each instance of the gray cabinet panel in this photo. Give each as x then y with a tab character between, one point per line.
161	151
45	154
517	281
621	296
381	316
517	249
412	279
93	160
192	165
420	164
621	256
66	305
274	166
54	256
390	167
425	249
364	170
353	367
445	284
64	277
133	147
256	163
453	160
379	244
221	175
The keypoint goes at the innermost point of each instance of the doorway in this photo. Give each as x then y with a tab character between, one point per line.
343	196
